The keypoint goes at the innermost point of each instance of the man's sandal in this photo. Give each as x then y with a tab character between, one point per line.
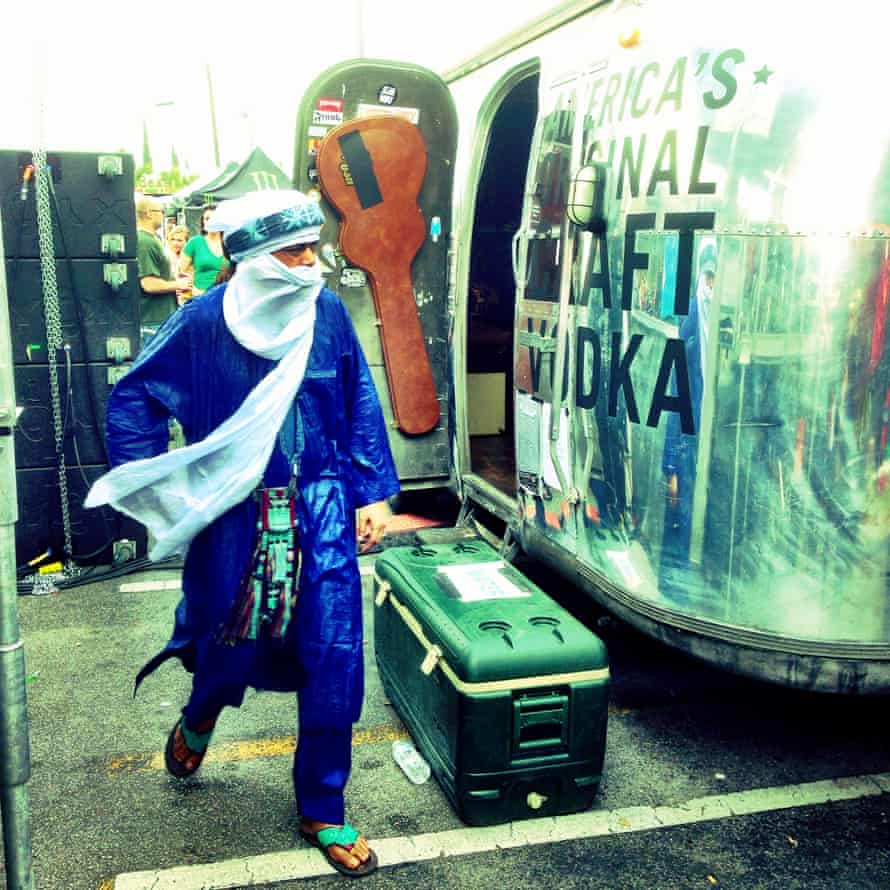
195	742
345	836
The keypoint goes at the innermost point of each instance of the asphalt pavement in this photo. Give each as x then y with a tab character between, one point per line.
710	780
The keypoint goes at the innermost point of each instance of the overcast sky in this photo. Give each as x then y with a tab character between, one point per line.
90	73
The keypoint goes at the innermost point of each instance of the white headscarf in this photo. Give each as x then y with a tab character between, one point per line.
270	310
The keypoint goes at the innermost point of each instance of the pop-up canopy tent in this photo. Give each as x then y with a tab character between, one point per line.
194	191
258	171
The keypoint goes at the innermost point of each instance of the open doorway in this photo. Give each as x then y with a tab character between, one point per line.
491	296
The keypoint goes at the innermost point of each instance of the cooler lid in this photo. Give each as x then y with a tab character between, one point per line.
489	622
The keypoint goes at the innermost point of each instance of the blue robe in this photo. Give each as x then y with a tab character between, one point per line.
196	371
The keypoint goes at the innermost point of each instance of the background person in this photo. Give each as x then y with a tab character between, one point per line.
176	240
159	287
203	255
269	381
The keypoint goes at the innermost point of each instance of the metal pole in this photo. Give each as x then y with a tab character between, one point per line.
360	28
15	766
212	116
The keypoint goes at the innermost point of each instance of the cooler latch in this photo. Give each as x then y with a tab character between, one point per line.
382	592
428	665
539	722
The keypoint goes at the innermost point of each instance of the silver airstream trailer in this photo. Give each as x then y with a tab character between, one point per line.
655	295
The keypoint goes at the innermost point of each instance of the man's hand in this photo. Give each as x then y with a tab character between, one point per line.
372	524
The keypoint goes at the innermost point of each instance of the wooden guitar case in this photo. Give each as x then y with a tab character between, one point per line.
371	170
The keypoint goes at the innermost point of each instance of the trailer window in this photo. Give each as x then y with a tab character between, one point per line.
548	199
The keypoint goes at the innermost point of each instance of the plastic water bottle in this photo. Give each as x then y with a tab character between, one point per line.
409	759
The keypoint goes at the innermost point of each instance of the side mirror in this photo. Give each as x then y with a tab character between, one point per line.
586	205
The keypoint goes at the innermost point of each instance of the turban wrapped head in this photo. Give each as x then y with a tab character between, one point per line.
261	222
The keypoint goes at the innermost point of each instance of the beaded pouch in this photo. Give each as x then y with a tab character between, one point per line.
268	593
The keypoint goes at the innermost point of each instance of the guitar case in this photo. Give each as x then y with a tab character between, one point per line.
371	170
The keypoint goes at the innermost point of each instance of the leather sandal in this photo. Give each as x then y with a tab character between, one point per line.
195	742
343	836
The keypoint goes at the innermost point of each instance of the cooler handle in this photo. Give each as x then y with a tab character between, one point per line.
540	721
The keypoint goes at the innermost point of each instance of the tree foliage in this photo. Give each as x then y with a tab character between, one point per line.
164	182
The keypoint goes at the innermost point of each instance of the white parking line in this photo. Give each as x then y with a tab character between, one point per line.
255	871
147	586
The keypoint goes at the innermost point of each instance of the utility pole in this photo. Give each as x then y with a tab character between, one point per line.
15	765
212	117
360	27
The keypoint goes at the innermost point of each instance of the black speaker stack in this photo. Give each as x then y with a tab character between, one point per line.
92	211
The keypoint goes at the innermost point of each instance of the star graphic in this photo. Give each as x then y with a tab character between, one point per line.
763	75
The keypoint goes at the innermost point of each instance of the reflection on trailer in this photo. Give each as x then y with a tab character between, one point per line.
667	326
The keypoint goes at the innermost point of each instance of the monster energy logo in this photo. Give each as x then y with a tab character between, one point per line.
263	179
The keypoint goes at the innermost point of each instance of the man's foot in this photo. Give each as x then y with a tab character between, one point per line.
184	755
344	848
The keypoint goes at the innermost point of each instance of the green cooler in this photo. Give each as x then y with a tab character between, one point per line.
504	692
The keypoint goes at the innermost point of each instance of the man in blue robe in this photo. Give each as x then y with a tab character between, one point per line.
268	380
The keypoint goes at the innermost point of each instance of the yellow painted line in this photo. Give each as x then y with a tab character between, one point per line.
250	749
385	732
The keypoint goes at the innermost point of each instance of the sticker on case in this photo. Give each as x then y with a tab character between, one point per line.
327	118
329	105
481	581
387	94
412	115
352	277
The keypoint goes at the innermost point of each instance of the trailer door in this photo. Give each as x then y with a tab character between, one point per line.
362	89
545	319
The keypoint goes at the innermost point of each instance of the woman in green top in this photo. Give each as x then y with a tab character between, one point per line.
203	256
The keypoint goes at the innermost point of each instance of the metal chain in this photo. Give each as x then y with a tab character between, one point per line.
53	320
